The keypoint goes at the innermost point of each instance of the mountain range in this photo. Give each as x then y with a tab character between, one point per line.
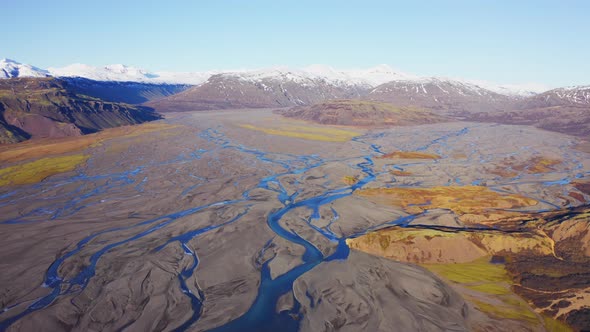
307	91
360	78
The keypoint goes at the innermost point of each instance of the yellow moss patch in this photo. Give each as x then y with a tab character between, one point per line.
492	281
542	165
517	310
459	199
490	288
409	155
326	134
554	325
39	170
350	180
476	273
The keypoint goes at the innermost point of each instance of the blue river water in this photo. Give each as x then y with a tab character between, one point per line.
262	315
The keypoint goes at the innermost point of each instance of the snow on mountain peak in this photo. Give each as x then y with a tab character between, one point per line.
579	94
312	74
10	68
123	73
356	77
116	72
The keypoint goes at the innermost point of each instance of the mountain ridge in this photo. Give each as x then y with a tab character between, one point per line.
365	78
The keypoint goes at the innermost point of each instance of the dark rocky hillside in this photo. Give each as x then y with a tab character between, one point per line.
124	92
46	107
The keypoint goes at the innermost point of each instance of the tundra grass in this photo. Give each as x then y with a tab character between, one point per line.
40	169
490	279
479	272
553	325
459	199
326	134
517	310
50	147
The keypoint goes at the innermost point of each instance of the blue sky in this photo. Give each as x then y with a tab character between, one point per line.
499	41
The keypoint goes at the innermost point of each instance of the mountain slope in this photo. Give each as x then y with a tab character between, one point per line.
281	89
568	96
285	88
361	113
564	110
44	107
439	94
125	92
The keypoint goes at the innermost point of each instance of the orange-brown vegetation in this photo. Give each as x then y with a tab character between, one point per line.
409	155
434	246
56	146
459	199
510	167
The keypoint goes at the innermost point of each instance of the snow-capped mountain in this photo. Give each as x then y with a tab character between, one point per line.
573	94
284	87
518	90
567	96
116	73
443	94
367	78
10	68
258	89
123	73
356	78
277	87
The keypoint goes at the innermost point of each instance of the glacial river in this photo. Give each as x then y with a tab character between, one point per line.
262	315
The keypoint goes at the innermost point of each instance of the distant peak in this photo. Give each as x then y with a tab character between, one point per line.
116	66
382	68
10	68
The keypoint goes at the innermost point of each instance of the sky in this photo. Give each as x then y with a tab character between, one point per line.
509	42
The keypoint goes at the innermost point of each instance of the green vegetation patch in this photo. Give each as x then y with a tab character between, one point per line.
476	274
39	169
517	310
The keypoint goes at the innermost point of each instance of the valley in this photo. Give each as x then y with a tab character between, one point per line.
294	166
297	200
232	220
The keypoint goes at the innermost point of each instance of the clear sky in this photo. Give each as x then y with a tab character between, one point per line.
500	41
